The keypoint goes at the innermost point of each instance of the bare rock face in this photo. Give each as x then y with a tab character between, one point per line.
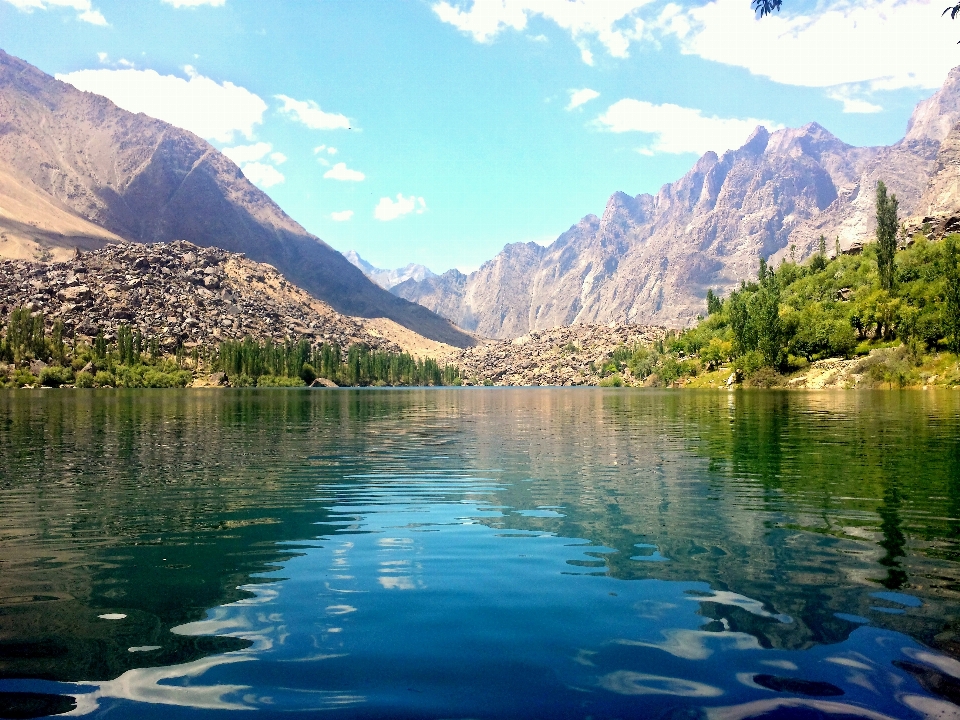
934	118
650	259
143	180
938	211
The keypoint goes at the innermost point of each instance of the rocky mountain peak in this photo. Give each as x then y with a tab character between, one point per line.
757	142
934	118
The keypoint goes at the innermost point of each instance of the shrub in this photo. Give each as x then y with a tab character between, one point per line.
104	379
612	381
83	380
56	376
23	377
766	377
279	381
307	373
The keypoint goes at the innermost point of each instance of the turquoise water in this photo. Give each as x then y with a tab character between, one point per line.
501	553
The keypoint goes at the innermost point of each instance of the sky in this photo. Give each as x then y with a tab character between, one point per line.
437	131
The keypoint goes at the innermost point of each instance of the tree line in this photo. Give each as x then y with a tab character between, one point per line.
40	355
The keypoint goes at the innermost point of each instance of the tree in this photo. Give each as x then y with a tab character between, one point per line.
951	253
714	302
819	261
766	318
887	223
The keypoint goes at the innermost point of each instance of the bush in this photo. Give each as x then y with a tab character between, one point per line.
748	363
23	377
241	380
612	381
279	381
83	380
308	373
56	376
104	379
766	377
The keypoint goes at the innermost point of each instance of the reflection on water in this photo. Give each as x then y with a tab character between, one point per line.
481	553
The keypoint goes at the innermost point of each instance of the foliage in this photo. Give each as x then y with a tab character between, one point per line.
249	361
802	312
128	359
886	236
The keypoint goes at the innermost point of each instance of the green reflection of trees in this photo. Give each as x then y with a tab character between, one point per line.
806	502
153	504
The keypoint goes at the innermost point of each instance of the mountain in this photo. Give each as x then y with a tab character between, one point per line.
389	278
76	170
650	259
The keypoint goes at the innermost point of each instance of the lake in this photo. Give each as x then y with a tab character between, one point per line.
480	553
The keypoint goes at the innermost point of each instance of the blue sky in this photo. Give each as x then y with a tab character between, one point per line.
436	131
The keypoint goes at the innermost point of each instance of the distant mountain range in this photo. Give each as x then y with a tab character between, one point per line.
388	279
651	258
77	171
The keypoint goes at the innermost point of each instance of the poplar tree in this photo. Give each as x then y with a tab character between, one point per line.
886	235
951	253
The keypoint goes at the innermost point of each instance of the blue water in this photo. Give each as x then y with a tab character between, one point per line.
480	553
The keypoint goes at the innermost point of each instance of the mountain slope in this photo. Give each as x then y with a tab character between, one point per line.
650	259
146	181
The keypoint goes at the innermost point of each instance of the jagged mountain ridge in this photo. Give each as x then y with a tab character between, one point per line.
143	180
651	258
388	279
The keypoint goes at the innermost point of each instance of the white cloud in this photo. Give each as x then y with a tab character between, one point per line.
388	209
310	114
340	171
581	97
679	129
248	157
84	8
331	151
323	148
342	216
247	153
844	94
889	44
262	174
211	110
613	23
102	56
195	3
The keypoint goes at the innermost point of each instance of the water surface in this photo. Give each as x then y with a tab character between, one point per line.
518	553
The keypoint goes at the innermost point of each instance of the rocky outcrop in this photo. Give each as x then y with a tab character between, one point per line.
651	258
143	180
389	278
178	293
572	355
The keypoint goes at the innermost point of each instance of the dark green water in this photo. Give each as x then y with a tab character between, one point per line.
479	553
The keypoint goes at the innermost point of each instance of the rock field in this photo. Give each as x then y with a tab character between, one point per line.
561	356
178	293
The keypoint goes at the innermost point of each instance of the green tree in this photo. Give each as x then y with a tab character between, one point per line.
744	339
887	223
765	316
714	302
951	253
